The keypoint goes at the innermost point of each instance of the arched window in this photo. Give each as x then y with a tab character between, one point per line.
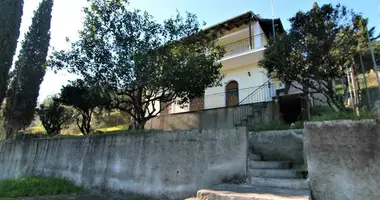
232	93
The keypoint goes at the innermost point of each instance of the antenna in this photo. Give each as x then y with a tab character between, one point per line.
274	31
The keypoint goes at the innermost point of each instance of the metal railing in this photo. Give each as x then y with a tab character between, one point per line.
243	45
248	105
219	100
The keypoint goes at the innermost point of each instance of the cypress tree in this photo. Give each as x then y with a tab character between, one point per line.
10	21
29	72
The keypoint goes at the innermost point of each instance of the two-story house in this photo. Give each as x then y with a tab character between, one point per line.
244	38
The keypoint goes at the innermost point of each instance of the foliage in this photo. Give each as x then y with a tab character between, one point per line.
10	20
37	186
320	43
343	115
29	72
140	61
54	116
85	99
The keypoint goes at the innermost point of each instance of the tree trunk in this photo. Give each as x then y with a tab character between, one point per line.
355	90
305	104
10	130
140	124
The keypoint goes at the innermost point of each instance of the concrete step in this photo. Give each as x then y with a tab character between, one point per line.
280	183
269	164
276	173
254	157
247	192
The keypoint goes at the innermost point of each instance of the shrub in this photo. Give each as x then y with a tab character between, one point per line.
37	186
53	116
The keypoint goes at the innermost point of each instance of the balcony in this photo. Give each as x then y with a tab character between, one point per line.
241	52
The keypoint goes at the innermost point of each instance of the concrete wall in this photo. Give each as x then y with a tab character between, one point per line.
284	145
164	165
343	159
211	118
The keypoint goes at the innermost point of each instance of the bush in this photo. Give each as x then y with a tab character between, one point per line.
53	116
37	186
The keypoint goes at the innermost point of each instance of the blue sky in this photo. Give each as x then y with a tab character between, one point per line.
67	18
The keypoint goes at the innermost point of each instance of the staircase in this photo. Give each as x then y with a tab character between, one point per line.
268	180
249	111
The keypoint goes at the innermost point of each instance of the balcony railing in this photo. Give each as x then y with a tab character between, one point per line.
243	45
245	96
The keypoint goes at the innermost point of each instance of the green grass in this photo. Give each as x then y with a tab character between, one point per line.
112	129
276	126
37	186
347	115
136	197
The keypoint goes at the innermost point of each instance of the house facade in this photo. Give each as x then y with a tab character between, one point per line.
244	38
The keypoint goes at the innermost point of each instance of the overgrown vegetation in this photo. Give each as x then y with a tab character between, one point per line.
318	113
140	62
37	186
333	33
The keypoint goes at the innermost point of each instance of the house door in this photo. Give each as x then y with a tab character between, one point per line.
232	93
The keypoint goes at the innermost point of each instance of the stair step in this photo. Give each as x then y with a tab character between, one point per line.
270	165
276	173
280	183
254	157
247	192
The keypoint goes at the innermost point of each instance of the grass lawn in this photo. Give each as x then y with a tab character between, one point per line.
37	186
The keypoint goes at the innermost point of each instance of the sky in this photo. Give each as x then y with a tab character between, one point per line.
68	17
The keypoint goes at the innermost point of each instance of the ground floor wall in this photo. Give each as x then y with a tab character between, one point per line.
343	159
163	165
213	118
247	77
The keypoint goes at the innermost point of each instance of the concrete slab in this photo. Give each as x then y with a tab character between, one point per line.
247	192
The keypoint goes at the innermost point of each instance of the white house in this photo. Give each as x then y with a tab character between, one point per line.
244	38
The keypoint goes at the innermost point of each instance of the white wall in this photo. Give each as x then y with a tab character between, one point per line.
152	106
176	108
216	97
236	35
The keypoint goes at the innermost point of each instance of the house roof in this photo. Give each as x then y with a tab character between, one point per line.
242	19
267	26
233	22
